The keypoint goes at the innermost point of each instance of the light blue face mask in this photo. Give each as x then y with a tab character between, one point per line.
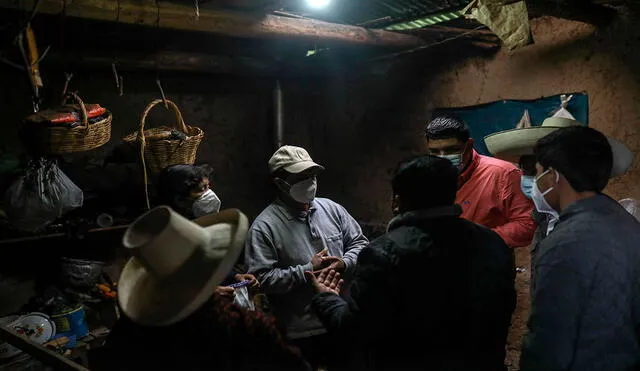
456	159
526	184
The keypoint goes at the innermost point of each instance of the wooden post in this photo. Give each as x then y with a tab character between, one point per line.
235	24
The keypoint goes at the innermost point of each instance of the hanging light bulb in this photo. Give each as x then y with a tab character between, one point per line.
318	4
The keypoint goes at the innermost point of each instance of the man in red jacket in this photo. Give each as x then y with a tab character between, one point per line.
488	189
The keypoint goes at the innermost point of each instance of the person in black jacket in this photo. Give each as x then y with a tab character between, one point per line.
436	292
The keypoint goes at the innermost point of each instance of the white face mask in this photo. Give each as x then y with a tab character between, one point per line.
304	191
538	197
207	203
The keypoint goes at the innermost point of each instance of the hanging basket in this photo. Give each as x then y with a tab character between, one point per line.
58	140
161	146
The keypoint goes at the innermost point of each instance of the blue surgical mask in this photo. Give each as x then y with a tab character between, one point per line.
526	184
541	203
456	159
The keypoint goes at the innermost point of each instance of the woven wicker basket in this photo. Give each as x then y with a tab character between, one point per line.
160	152
60	140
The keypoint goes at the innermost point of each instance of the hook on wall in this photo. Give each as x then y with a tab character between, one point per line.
164	98
118	79
67	80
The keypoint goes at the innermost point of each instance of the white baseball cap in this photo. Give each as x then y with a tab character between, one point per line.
292	159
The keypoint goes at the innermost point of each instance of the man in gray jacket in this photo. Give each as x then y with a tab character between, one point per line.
586	293
296	233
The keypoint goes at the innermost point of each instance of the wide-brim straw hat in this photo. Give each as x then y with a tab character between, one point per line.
177	263
510	145
632	207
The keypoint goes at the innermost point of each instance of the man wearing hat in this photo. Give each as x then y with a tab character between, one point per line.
516	145
586	292
165	293
488	188
294	234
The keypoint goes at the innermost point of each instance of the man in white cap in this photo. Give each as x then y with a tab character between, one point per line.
297	233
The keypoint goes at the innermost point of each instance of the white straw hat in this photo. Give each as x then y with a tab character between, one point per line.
510	145
177	263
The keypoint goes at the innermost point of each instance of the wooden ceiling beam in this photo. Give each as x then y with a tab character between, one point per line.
227	23
168	61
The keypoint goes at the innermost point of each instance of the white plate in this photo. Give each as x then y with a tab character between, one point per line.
37	327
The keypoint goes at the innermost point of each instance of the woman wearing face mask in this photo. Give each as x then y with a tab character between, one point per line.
187	190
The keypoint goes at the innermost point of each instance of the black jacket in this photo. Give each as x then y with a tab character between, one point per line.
436	292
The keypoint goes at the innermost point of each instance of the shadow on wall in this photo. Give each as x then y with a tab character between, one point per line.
233	113
361	126
360	122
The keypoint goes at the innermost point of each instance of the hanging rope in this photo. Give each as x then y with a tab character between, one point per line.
114	69
142	139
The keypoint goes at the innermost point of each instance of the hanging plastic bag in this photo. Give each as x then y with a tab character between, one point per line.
562	111
41	196
243	299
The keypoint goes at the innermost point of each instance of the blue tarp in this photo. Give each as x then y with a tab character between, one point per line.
492	117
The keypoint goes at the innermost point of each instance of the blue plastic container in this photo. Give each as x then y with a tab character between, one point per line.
72	322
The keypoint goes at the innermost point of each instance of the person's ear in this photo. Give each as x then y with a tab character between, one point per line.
469	145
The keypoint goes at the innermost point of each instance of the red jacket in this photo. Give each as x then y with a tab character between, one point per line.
490	195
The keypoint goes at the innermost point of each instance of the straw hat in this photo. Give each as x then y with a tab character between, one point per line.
177	263
509	145
631	205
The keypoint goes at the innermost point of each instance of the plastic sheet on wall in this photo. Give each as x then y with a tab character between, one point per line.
502	115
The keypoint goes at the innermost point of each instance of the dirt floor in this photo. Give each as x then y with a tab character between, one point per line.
521	314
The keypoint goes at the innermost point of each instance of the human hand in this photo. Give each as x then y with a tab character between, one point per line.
253	281
316	261
226	292
325	281
332	263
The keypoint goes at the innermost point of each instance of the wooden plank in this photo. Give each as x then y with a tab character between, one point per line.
169	61
37	351
228	23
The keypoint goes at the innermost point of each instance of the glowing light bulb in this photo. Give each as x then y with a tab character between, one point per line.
318	3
